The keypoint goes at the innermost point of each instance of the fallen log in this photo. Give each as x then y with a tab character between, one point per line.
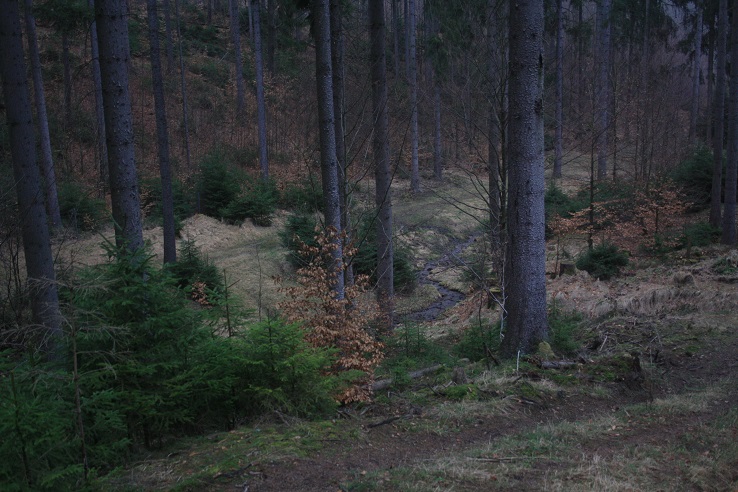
557	364
386	383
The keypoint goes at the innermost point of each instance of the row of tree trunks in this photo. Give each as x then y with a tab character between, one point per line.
30	196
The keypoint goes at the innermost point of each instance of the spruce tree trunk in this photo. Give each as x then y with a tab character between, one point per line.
396	37
162	136
695	108
271	34
493	127
525	272
337	62
47	162
112	20
169	39
382	169
326	114
718	117
604	87
260	103
559	139
710	82
102	147
36	241
237	60
731	169
183	90
413	86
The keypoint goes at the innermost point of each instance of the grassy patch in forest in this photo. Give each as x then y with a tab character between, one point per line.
681	440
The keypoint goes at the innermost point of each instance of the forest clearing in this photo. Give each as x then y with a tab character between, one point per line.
341	245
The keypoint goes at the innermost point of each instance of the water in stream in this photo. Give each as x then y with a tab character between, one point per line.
449	297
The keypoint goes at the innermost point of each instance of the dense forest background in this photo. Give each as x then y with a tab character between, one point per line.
346	133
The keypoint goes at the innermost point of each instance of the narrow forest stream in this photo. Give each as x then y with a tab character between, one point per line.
448	297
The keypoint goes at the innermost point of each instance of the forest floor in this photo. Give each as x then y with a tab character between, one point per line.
650	401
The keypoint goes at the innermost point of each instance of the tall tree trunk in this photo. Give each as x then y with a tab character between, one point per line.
525	273
413	86
396	36
382	169
695	108
337	63
66	63
32	214
260	103
437	151
237	61
326	114
183	89
603	98
271	34
731	169
169	45
102	147
493	126
47	162
112	19
162	135
406	24
718	117
710	81
559	143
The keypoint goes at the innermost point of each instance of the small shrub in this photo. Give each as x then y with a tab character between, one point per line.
151	201
305	197
299	229
365	261
462	392
563	330
78	208
603	261
725	266
257	202
478	341
699	234
194	272
694	176
219	184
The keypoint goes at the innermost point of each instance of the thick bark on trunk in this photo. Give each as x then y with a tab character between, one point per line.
603	97
382	170
32	214
183	90
326	114
396	36
493	127
337	63
731	169
695	109
559	140
47	161
237	60
437	151
525	272
271	34
102	147
413	86
260	103
112	20
169	45
162	136
718	117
